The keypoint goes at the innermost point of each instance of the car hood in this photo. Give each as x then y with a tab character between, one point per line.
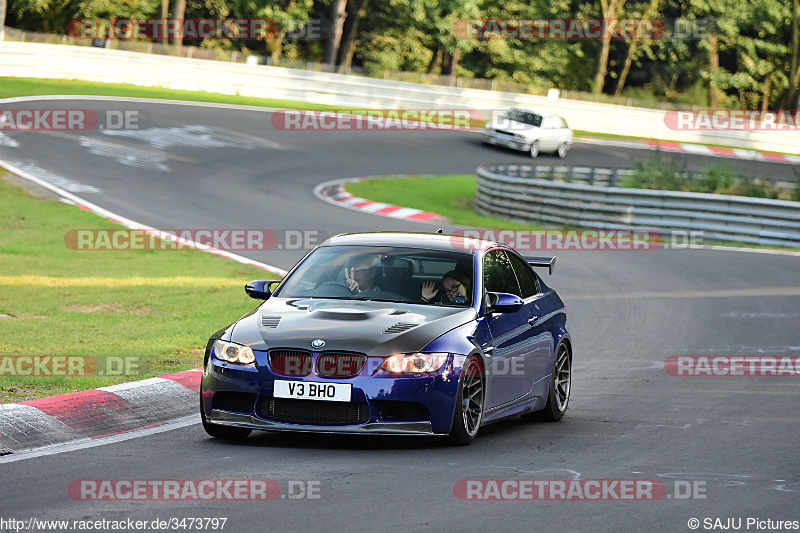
373	328
511	126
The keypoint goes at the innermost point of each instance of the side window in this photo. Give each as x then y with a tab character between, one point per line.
525	276
498	274
564	124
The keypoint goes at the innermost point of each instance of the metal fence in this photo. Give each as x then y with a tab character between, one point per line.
588	197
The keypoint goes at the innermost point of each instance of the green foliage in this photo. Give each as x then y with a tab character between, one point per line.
751	42
695	95
659	172
664	173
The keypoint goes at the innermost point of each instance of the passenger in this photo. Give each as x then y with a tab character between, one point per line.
456	288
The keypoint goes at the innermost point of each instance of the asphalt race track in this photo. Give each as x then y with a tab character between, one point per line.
732	440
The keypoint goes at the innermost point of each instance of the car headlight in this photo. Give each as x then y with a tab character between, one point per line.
234	353
414	363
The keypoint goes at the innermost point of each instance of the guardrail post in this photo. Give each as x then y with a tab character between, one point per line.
533	171
552	173
569	174
591	176
612	182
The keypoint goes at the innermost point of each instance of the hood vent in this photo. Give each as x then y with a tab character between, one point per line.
400	327
270	321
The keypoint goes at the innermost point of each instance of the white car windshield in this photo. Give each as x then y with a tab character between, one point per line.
525	117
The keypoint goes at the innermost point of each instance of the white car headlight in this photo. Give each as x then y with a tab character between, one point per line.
233	353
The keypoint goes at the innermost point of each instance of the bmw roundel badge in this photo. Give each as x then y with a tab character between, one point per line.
317	343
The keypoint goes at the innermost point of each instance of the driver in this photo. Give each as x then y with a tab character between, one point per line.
360	277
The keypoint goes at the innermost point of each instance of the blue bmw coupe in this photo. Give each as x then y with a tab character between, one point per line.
393	333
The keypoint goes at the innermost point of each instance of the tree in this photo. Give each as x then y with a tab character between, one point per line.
338	14
610	11
355	13
790	97
2	20
650	13
164	15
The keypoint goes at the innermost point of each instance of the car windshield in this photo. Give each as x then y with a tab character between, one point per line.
383	274
525	117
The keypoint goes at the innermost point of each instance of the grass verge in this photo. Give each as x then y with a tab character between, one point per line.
450	196
138	314
11	87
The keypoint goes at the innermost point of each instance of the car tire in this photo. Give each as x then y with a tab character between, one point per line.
469	403
562	150
534	149
222	432
560	385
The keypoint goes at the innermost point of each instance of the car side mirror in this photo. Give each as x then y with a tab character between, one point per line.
503	302
259	289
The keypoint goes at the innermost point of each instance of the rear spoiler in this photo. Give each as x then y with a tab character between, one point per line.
541	262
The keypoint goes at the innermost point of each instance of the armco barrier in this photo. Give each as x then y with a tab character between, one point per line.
40	60
530	193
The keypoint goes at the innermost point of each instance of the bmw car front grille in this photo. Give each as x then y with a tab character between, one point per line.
340	365
289	362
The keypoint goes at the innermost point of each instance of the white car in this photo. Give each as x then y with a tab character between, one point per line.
530	131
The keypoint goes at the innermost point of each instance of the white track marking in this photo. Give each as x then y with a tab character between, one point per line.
131	224
82	444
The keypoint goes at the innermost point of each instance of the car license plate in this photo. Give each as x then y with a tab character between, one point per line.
310	390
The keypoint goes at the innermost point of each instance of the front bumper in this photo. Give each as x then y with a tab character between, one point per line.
432	399
226	418
507	141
